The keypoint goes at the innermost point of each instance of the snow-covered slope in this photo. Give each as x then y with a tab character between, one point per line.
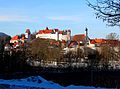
36	82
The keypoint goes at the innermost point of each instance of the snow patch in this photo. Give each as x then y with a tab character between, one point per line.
36	82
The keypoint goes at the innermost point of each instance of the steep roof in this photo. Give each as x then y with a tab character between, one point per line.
45	31
48	31
15	37
72	43
79	37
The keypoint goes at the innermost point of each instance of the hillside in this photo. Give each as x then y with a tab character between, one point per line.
3	34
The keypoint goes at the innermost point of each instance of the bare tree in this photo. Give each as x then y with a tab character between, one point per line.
110	50
40	49
105	55
113	39
113	36
108	10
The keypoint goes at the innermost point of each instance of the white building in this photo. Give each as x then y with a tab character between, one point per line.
54	34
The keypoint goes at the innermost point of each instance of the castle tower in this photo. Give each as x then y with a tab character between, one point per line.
69	34
28	34
57	34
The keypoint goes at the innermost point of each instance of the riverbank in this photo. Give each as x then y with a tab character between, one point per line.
77	76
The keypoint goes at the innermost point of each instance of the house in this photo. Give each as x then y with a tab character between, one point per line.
97	42
72	44
54	34
100	41
77	41
19	40
15	39
81	39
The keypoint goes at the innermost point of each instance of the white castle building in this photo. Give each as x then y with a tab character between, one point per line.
54	34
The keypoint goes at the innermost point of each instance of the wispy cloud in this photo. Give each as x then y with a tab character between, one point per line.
65	18
15	18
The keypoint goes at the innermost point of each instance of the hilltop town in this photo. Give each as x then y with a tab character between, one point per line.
63	36
54	47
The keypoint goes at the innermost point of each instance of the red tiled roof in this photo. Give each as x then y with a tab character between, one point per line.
79	37
48	31
60	32
92	41
40	32
45	31
15	38
105	41
72	43
23	38
99	41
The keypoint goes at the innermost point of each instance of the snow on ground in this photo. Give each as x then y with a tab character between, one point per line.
82	87
36	82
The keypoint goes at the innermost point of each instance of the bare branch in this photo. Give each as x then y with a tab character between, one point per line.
108	10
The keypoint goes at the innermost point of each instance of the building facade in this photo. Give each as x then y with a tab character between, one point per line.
54	34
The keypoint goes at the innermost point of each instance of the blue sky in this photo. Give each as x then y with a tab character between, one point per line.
17	15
